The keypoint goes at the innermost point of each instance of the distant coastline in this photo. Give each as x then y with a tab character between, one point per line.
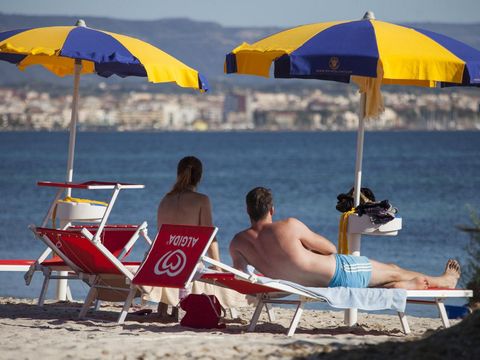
104	108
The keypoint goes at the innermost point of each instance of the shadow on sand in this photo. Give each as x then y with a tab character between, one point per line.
458	342
59	314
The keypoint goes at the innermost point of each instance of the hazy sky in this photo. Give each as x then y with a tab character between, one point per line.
255	12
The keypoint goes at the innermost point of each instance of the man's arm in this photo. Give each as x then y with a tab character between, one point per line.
239	261
314	241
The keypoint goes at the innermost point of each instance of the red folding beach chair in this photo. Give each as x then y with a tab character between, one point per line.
118	239
69	211
95	258
173	259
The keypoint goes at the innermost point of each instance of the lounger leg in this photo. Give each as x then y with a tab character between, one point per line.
233	313
43	292
126	306
69	294
62	284
256	315
296	319
350	317
443	313
29	275
404	322
92	294
270	312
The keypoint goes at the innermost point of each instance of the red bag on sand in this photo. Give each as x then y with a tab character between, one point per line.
202	311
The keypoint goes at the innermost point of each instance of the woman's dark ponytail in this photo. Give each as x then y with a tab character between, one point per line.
189	173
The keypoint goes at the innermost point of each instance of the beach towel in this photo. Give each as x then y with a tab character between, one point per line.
345	298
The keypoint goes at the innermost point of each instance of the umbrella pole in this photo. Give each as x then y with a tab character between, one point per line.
62	284
73	122
350	316
359	160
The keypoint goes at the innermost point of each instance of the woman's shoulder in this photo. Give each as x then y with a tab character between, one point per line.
201	197
193	195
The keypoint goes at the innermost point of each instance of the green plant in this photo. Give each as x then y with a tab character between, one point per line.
473	250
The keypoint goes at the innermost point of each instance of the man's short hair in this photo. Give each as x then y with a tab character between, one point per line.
259	203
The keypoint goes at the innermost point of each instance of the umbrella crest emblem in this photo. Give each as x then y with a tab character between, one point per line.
171	263
334	63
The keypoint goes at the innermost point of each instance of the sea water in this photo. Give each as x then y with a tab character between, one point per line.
431	177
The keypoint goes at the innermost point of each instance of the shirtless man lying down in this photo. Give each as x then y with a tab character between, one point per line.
289	250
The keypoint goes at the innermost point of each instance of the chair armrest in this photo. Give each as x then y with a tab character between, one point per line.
242	275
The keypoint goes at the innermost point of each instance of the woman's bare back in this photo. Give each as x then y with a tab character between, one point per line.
185	208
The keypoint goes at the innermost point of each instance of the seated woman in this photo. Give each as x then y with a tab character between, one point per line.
185	206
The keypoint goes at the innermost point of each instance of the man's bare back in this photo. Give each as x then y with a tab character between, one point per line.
287	250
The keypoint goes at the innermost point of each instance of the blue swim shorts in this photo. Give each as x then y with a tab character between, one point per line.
351	271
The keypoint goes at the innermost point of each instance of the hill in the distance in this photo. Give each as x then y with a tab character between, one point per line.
201	45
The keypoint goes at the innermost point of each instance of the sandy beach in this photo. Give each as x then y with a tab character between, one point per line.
31	332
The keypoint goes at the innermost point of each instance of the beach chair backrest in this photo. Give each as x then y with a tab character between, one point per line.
174	256
80	251
113	237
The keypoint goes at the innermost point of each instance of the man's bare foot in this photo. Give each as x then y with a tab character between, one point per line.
451	274
418	283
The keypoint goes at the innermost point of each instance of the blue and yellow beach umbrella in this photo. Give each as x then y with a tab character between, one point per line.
368	52
370	48
76	50
57	48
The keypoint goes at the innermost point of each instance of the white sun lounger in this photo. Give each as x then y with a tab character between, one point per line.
270	291
172	262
